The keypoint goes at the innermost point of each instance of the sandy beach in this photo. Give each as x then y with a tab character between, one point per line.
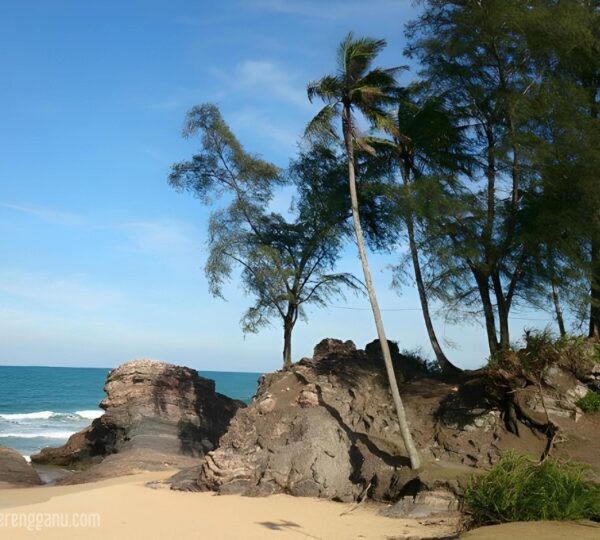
128	509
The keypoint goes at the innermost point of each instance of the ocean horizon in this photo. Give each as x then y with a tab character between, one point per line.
43	406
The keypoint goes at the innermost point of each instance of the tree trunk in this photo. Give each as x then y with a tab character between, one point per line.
415	460
287	345
595	289
595	281
558	309
446	366
503	310
488	309
482	278
289	322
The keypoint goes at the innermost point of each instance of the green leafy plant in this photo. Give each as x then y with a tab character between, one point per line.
518	489
571	342
590	403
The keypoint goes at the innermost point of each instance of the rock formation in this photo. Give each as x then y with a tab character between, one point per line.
327	428
15	471
156	415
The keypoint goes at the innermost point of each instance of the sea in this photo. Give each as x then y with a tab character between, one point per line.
44	406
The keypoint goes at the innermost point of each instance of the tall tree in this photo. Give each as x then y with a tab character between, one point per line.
284	264
476	55
570	53
358	87
425	143
564	145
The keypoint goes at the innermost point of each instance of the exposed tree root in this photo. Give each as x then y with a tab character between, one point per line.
516	411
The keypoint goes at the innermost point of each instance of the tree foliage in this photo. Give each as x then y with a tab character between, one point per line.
506	235
485	168
285	264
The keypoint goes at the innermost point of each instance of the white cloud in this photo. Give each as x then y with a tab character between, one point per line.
162	237
268	78
258	123
263	86
46	214
57	292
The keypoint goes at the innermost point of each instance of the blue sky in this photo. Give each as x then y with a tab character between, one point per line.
101	261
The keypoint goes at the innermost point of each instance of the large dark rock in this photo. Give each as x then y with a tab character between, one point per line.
156	415
15	471
327	427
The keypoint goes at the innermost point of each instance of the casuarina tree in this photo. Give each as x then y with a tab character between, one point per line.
285	262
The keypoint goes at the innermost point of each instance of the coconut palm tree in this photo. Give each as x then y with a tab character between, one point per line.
358	88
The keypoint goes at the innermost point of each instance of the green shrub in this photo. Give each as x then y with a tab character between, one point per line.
541	349
571	342
518	489
590	403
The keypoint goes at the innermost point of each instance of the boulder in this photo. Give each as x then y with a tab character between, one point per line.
327	427
15	471
155	413
423	505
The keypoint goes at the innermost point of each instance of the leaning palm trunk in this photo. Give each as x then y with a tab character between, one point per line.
413	454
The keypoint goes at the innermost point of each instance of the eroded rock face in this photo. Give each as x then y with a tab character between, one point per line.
14	469
158	410
327	427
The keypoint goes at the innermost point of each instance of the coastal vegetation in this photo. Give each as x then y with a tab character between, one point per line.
519	489
483	168
286	263
476	175
590	403
482	173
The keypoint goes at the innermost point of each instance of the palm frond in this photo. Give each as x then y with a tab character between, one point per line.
327	88
383	79
355	56
374	113
320	128
363	144
379	142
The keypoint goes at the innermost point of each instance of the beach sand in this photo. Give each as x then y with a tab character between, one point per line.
533	530
128	509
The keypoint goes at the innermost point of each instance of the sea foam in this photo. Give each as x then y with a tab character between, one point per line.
41	415
90	415
47	415
38	435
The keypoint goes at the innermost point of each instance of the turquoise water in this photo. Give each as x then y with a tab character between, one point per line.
44	406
